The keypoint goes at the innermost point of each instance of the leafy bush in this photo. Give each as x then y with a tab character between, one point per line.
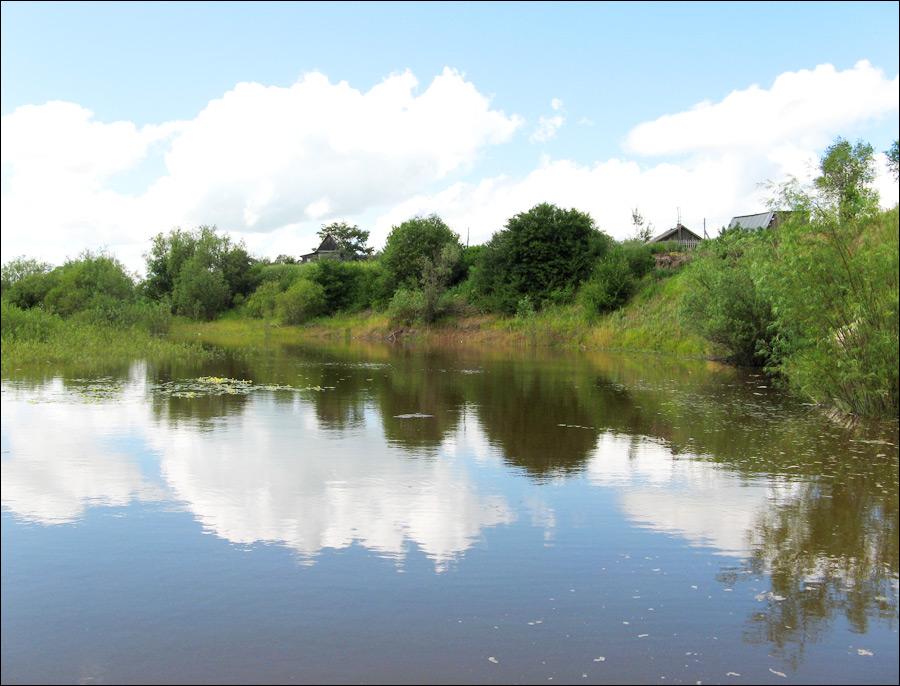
200	291
834	286
303	301
544	253
94	281
263	301
410	244
724	303
610	286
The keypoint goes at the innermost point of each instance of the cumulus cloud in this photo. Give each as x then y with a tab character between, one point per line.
271	164
732	146
804	109
255	160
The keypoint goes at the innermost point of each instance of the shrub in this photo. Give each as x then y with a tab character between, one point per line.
303	301
544	253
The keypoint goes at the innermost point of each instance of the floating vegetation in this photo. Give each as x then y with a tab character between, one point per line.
414	415
206	386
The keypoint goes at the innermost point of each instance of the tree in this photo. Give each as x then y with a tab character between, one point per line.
543	253
893	156
847	172
171	254
410	244
351	240
643	230
93	281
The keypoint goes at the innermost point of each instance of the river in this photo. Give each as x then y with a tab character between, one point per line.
352	512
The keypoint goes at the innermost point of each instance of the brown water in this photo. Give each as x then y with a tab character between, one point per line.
353	513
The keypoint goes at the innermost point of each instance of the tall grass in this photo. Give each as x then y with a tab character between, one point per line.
35	336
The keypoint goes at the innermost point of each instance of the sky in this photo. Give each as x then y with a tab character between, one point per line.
121	121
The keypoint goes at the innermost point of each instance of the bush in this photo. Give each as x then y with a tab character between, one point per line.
724	303
262	303
834	285
544	253
94	281
610	286
413	242
200	291
303	301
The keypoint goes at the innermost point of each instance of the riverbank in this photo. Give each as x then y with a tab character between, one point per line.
649	323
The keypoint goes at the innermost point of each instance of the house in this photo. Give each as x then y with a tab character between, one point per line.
327	248
681	235
755	222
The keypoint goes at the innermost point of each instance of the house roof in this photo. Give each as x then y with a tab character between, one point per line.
763	220
679	232
753	221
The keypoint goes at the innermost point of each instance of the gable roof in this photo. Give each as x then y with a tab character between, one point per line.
326	247
680	233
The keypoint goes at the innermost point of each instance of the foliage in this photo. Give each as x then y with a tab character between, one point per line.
847	172
351	240
93	281
303	301
643	230
893	160
199	250
724	304
26	288
616	276
36	336
543	253
19	269
410	244
834	288
200	291
261	303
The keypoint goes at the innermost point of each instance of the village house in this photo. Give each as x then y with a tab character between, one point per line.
327	248
681	235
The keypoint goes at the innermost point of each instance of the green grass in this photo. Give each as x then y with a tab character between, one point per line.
35	337
650	322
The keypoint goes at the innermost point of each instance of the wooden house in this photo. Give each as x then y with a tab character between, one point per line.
327	248
681	235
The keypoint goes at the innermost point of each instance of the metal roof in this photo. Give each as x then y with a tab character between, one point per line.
753	221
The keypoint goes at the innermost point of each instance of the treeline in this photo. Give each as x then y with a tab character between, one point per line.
547	255
814	301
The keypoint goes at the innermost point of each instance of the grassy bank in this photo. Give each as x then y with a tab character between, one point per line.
36	337
648	324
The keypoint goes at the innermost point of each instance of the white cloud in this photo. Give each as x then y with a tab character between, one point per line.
271	164
548	126
256	160
805	108
750	137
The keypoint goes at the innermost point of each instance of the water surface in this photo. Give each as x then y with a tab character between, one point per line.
367	513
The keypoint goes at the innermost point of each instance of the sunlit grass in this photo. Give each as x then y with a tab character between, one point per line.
35	337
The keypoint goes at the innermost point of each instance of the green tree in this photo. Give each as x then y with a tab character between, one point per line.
200	290
203	249
725	304
351	240
847	172
93	281
26	281
303	301
413	242
643	230
893	163
544	253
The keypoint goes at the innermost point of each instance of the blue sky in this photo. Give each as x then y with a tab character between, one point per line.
123	120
